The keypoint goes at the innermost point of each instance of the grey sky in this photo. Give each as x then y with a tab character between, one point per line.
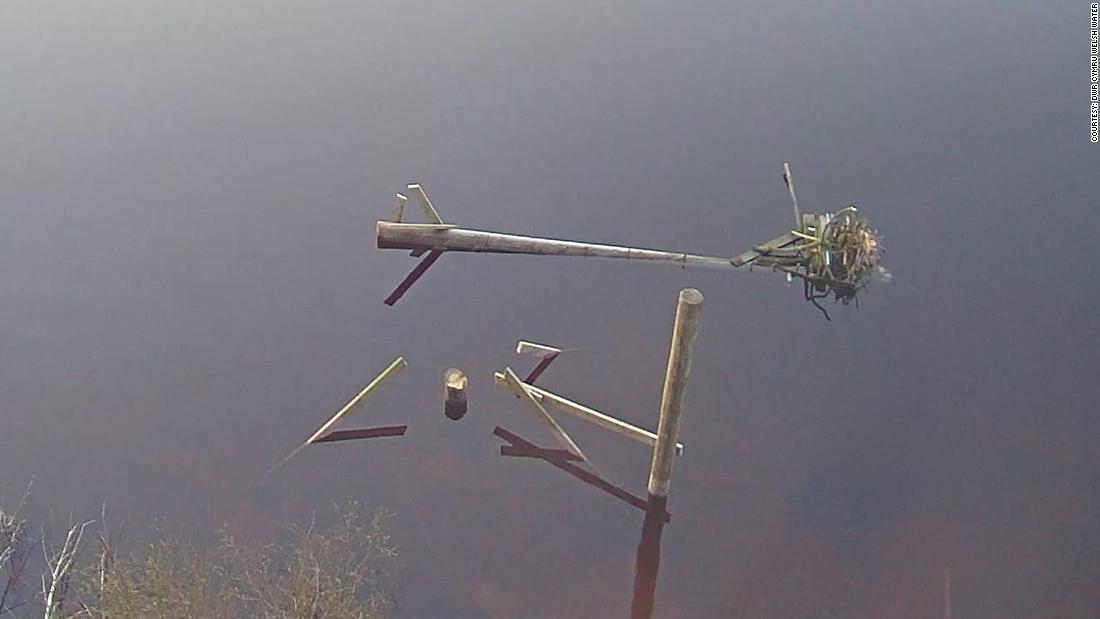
189	286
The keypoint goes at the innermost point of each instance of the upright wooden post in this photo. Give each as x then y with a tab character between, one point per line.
648	560
684	331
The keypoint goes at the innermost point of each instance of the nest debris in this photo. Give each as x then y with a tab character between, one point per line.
834	255
840	254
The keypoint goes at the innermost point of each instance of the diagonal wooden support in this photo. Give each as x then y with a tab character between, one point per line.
430	214
393	368
519	388
434	224
529	449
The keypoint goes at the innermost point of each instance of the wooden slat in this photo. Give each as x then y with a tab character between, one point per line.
430	213
519	388
591	415
764	248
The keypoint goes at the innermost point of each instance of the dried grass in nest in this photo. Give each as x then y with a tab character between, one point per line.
840	259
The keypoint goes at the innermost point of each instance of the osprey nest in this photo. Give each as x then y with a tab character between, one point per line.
839	254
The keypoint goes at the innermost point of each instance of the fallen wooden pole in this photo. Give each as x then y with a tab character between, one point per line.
810	252
394	235
684	331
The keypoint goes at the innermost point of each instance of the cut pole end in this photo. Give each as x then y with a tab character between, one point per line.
691	296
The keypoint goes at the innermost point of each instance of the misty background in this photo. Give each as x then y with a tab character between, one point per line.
189	287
